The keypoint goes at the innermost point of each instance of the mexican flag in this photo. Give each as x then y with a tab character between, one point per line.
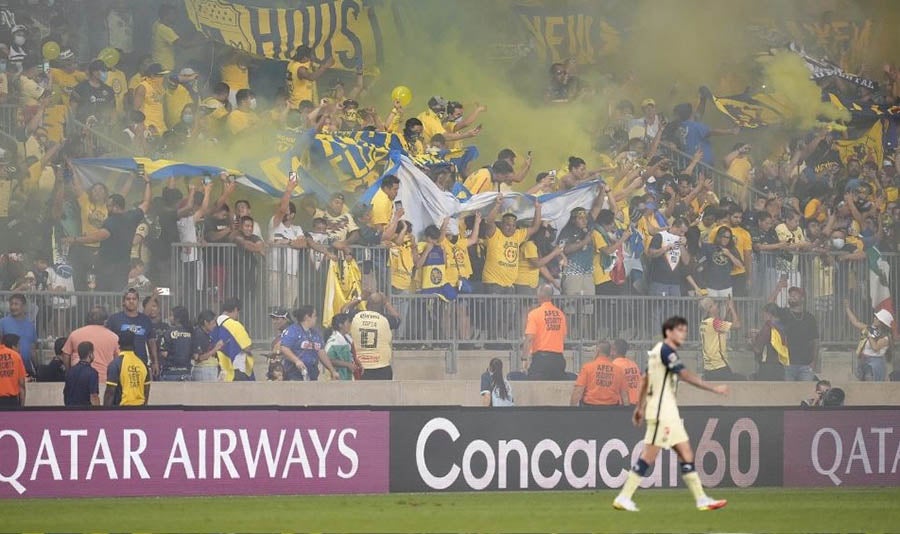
879	284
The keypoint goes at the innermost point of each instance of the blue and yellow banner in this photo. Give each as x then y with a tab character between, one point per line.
349	160
347	30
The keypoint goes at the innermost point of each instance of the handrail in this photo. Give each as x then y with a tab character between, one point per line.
683	159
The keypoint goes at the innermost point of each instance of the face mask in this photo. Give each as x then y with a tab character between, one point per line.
104	76
188	119
837	243
252	103
19	40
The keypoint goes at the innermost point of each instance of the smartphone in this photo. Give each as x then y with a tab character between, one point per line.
529	153
231	178
292	176
398	204
207	179
163	291
141	171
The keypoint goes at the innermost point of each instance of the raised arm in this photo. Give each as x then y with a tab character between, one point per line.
468	121
148	195
536	223
735	318
473	238
490	224
852	316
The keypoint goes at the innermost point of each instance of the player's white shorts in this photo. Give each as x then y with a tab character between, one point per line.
665	433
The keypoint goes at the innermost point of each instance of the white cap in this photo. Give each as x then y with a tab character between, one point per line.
885	317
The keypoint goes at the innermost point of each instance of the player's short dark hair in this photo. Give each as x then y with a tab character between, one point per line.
621	347
85	349
603	347
126	340
506	153
10	340
672	323
232	304
389	181
502	167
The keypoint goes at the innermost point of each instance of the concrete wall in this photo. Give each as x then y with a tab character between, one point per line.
455	393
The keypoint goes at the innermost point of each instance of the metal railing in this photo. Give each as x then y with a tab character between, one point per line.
723	184
204	275
827	281
9	119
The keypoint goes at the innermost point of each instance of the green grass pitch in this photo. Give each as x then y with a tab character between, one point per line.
750	510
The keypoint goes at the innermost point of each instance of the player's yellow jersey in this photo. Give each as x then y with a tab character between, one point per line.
663	366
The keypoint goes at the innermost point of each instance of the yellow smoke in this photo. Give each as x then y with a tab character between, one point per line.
787	78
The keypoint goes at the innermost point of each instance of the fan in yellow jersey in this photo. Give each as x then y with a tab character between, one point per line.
148	99
665	428
127	377
236	73
301	77
243	118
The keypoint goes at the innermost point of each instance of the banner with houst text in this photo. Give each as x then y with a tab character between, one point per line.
347	30
869	146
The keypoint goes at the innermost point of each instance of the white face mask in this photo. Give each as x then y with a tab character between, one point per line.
252	103
837	243
19	40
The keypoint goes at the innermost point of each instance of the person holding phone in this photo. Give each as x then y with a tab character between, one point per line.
115	237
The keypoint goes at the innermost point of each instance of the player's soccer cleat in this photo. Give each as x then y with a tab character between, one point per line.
708	503
624	504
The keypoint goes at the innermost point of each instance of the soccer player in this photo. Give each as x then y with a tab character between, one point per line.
665	428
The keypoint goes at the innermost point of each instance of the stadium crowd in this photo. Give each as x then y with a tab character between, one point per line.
800	227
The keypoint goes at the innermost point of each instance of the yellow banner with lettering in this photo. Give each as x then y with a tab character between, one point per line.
560	32
347	30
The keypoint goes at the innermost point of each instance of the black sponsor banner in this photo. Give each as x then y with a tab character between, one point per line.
465	449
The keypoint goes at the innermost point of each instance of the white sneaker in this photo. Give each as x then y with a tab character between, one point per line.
708	503
624	504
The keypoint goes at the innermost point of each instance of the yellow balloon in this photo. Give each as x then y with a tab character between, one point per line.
109	56
50	50
403	94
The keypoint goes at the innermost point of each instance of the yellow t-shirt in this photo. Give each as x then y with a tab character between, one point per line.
742	242
501	263
163	51
238	121
237	76
600	275
130	375
175	101
152	106
134	81
30	91
401	263
714	339
372	339
458	264
55	121
299	89
119	84
382	208
528	275
891	193
64	82
740	169
431	125
450	126
479	181
92	216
